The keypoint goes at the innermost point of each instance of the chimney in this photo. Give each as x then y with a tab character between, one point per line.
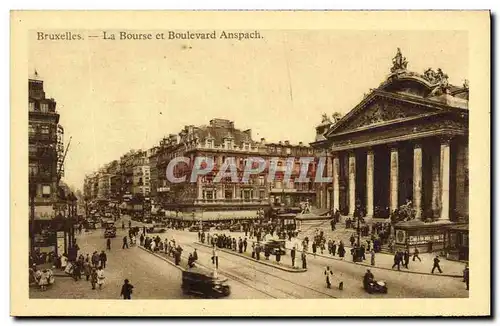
263	140
300	143
280	142
287	142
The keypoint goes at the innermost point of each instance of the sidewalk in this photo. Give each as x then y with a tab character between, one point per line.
385	261
271	262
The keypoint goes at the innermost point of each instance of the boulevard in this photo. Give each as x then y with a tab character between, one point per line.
155	278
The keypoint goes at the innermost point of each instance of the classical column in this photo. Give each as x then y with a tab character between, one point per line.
394	178
369	182
436	181
234	191
417	180
200	189
352	182
336	187
445	179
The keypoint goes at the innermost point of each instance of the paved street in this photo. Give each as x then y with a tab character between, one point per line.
154	278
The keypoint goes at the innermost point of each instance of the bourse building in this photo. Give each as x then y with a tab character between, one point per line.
405	143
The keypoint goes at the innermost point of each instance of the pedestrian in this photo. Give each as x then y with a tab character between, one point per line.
108	244
278	256
125	242
123	225
372	257
87	269
130	224
245	243
141	239
406	258
100	277
328	273
314	247
126	290
215	258
43	279
466	276
351	240
253	249
397	260
415	254
103	258
93	277
436	265
334	248
293	252
304	260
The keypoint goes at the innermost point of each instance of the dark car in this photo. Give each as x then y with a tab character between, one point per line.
200	281
194	228
110	233
235	228
275	246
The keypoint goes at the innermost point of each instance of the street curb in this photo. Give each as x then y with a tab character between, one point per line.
263	262
377	267
165	259
380	267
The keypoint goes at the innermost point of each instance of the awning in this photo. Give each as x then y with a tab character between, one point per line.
214	216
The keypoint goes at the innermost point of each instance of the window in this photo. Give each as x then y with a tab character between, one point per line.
288	150
278	150
45	130
228	194
32	129
33	168
262	194
44	107
32	149
261	180
46	191
31	106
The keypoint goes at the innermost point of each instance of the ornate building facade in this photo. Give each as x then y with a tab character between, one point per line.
46	151
405	143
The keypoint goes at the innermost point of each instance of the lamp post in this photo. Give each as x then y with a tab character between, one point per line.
32	194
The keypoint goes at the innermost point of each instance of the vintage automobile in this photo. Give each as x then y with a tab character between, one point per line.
221	227
110	232
235	228
372	286
203	282
89	225
196	228
157	228
275	246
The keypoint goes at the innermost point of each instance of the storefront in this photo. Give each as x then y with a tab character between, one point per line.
427	237
458	242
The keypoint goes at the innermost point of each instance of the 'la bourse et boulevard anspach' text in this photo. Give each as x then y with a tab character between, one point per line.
187	35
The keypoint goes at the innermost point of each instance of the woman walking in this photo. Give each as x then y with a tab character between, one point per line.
93	277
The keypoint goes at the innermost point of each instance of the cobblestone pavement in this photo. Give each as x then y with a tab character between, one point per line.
152	278
311	284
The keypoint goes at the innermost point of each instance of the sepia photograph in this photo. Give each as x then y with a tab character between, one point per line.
213	163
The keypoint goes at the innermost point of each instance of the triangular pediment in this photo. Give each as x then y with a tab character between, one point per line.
378	110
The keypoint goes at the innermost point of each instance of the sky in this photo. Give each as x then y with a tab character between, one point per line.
114	96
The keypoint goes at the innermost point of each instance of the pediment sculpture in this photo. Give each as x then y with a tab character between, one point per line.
399	63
